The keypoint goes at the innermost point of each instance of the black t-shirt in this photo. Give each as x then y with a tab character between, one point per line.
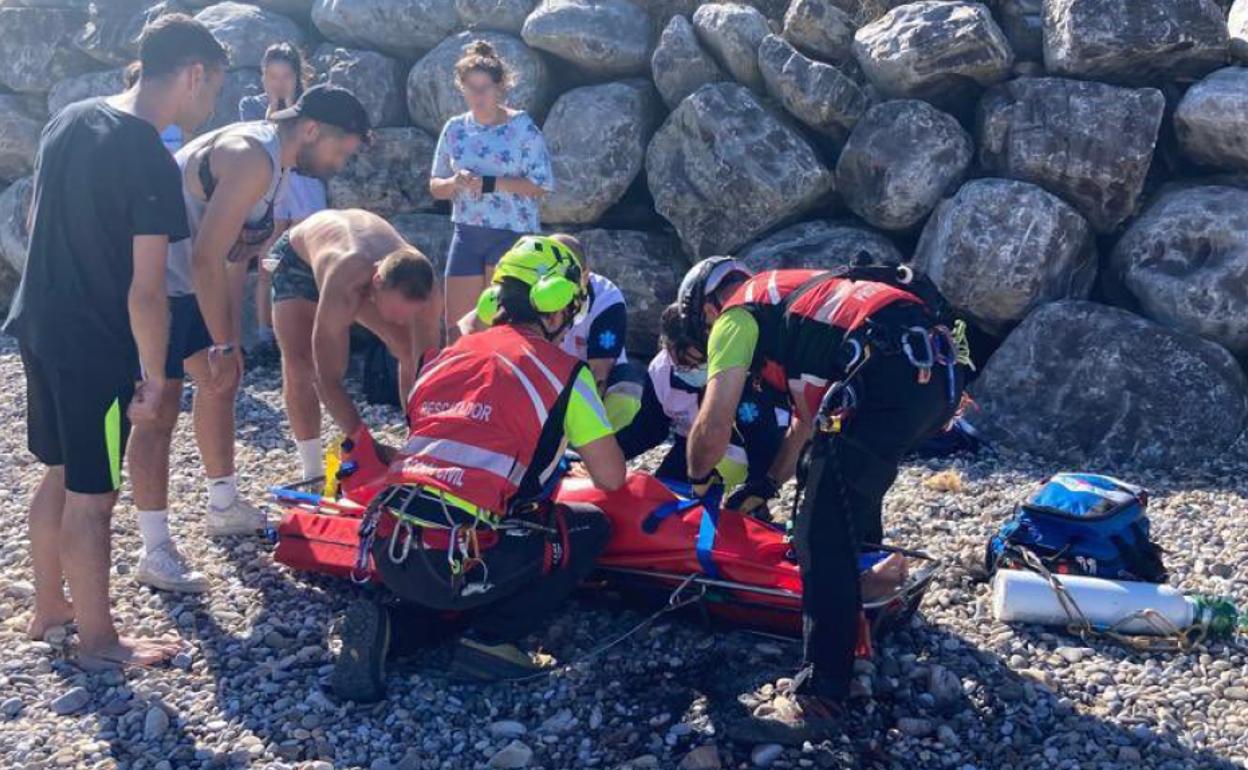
102	177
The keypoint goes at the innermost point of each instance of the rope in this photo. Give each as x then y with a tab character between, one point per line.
675	602
1170	638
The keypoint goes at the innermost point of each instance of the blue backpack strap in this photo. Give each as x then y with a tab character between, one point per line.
656	517
707	530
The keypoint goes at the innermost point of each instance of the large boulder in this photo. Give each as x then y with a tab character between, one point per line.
662	11
604	38
1090	143
597	137
1080	382
1212	120
723	169
1237	23
933	50
902	158
14	211
822	244
19	137
376	79
389	177
647	267
86	86
238	83
732	33
247	30
817	94
37	47
433	98
430	233
1000	248
679	66
1185	262
111	36
297	8
820	28
403	29
1134	42
502	15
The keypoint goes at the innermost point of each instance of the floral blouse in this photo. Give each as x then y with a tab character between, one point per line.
512	149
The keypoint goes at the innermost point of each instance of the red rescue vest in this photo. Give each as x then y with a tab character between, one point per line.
803	318
486	417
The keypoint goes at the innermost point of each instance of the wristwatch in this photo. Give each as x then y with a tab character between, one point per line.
224	350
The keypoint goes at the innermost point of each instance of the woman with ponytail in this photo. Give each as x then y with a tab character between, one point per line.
492	163
284	77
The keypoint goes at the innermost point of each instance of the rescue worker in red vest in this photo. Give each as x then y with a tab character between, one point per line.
473	526
801	331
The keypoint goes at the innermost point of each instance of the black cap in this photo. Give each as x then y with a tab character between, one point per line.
331	105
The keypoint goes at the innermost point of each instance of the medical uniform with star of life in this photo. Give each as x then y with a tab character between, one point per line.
599	332
669	405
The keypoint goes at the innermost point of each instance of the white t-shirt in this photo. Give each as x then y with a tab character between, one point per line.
595	330
300	197
680	406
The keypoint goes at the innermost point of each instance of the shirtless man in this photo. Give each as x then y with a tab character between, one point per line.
331	270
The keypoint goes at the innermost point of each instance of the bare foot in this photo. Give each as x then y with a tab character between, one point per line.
884	577
42	620
126	652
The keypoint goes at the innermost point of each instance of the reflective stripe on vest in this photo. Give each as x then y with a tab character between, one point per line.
478	414
458	453
840	304
538	407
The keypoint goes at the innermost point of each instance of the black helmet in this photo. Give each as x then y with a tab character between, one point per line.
701	282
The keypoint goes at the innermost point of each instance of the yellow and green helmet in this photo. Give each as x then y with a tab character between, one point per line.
550	269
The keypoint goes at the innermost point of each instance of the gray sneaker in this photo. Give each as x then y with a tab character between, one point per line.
164	568
240	518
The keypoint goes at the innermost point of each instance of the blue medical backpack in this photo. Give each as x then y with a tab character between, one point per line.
1081	524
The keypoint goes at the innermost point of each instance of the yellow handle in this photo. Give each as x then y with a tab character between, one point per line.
333	459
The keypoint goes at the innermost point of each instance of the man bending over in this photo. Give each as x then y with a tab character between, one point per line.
331	270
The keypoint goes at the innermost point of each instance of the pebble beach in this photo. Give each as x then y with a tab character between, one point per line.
954	689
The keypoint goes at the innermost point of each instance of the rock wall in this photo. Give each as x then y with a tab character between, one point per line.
1041	160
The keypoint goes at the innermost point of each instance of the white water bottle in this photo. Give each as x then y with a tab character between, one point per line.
1020	596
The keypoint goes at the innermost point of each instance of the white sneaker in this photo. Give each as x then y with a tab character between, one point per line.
239	518
164	568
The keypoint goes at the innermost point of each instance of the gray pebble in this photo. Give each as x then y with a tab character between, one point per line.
71	702
766	754
11	707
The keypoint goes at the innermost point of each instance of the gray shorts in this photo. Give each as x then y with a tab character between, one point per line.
292	277
473	249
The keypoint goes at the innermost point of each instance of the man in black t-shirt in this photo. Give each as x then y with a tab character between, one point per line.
91	312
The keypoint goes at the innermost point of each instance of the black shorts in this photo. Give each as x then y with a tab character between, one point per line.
188	334
77	418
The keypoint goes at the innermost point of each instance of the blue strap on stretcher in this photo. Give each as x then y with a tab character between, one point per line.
706	529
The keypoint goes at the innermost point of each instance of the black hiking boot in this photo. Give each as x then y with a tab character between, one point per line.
360	670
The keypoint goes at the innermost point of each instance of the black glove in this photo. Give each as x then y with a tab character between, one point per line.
707	484
751	498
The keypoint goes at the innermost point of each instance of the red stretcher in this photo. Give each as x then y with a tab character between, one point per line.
744	571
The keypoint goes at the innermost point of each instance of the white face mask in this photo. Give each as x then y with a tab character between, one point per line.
694	378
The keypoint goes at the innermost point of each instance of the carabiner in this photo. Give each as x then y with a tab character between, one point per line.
924	364
406	548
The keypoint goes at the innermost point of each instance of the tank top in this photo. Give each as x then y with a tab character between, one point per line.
178	272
